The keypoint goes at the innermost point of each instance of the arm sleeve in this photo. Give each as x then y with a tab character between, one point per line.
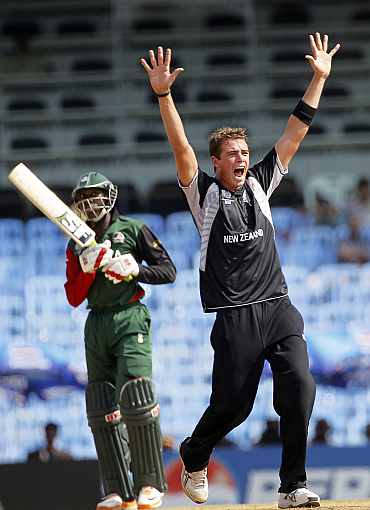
160	267
78	283
195	194
269	172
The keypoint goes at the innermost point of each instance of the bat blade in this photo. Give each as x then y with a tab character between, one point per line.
51	205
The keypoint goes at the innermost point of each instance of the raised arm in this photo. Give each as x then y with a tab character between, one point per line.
300	119
161	81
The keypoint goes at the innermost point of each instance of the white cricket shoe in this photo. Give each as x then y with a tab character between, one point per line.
195	485
149	498
299	498
110	502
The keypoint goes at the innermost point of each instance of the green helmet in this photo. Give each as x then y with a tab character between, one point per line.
94	196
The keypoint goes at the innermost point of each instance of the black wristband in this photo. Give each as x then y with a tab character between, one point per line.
304	112
164	95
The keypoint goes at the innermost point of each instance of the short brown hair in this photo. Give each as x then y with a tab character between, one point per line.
217	137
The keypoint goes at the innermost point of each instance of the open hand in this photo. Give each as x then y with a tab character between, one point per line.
320	60
160	77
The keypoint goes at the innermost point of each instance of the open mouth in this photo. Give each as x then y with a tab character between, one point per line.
239	172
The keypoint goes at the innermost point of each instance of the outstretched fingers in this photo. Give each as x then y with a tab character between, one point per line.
318	41
334	50
313	46
167	60
152	58
145	65
325	43
160	55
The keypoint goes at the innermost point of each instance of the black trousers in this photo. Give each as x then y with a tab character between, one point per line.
242	339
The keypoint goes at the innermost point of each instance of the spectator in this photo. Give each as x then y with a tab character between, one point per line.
49	453
322	432
270	435
360	205
325	212
355	248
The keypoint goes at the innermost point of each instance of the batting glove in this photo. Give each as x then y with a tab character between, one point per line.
96	256
122	268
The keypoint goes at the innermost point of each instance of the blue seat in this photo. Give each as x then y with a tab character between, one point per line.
154	221
40	229
12	281
11	229
181	226
286	220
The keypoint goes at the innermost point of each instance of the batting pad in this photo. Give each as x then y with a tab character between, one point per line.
140	413
104	420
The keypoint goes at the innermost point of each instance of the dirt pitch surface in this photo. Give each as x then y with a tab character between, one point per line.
325	505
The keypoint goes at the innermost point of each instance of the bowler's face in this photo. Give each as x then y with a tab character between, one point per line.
231	168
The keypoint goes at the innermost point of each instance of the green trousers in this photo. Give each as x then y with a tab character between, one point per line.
118	345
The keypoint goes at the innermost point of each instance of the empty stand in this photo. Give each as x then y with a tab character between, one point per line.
356	127
26	105
91	65
224	21
78	27
165	198
94	139
29	142
76	102
290	13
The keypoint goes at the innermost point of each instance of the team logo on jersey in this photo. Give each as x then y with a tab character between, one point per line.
243	236
118	237
226	197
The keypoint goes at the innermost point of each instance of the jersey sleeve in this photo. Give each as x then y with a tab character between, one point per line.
269	172
78	283
195	194
160	268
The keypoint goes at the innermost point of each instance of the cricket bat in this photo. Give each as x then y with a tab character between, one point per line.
51	205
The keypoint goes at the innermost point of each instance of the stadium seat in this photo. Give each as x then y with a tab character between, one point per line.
90	65
97	139
226	60
152	25
76	27
166	197
26	105
286	92
290	13
154	221
224	21
144	136
13	205
11	229
29	142
213	96
288	56
75	102
356	127
40	229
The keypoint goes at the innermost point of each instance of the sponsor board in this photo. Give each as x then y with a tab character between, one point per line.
237	476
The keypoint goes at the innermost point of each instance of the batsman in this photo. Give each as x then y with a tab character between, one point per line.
121	405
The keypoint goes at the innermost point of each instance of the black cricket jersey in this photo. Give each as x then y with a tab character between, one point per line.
239	263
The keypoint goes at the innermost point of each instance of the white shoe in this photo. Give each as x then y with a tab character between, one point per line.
149	498
299	498
195	485
110	502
